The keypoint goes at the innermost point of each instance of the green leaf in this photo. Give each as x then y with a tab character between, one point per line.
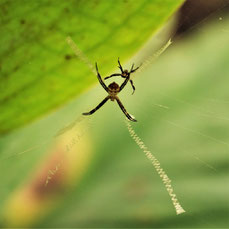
38	70
181	104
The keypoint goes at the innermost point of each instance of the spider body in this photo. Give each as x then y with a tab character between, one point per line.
113	89
125	74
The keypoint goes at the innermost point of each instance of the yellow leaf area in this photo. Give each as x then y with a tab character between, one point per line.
66	164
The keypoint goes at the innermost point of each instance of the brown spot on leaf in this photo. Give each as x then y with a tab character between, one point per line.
54	186
49	180
68	57
16	68
66	10
22	21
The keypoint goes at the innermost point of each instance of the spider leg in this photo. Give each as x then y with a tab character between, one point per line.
125	82
95	109
120	66
132	84
124	110
118	74
132	68
100	79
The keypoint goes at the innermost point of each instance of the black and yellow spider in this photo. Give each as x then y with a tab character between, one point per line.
124	73
113	89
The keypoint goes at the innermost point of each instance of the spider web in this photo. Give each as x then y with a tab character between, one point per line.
196	110
139	142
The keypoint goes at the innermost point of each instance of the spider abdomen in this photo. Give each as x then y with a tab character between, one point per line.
113	89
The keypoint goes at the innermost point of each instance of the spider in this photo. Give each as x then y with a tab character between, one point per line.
113	89
125	74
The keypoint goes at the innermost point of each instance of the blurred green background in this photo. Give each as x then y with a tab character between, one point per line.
65	170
